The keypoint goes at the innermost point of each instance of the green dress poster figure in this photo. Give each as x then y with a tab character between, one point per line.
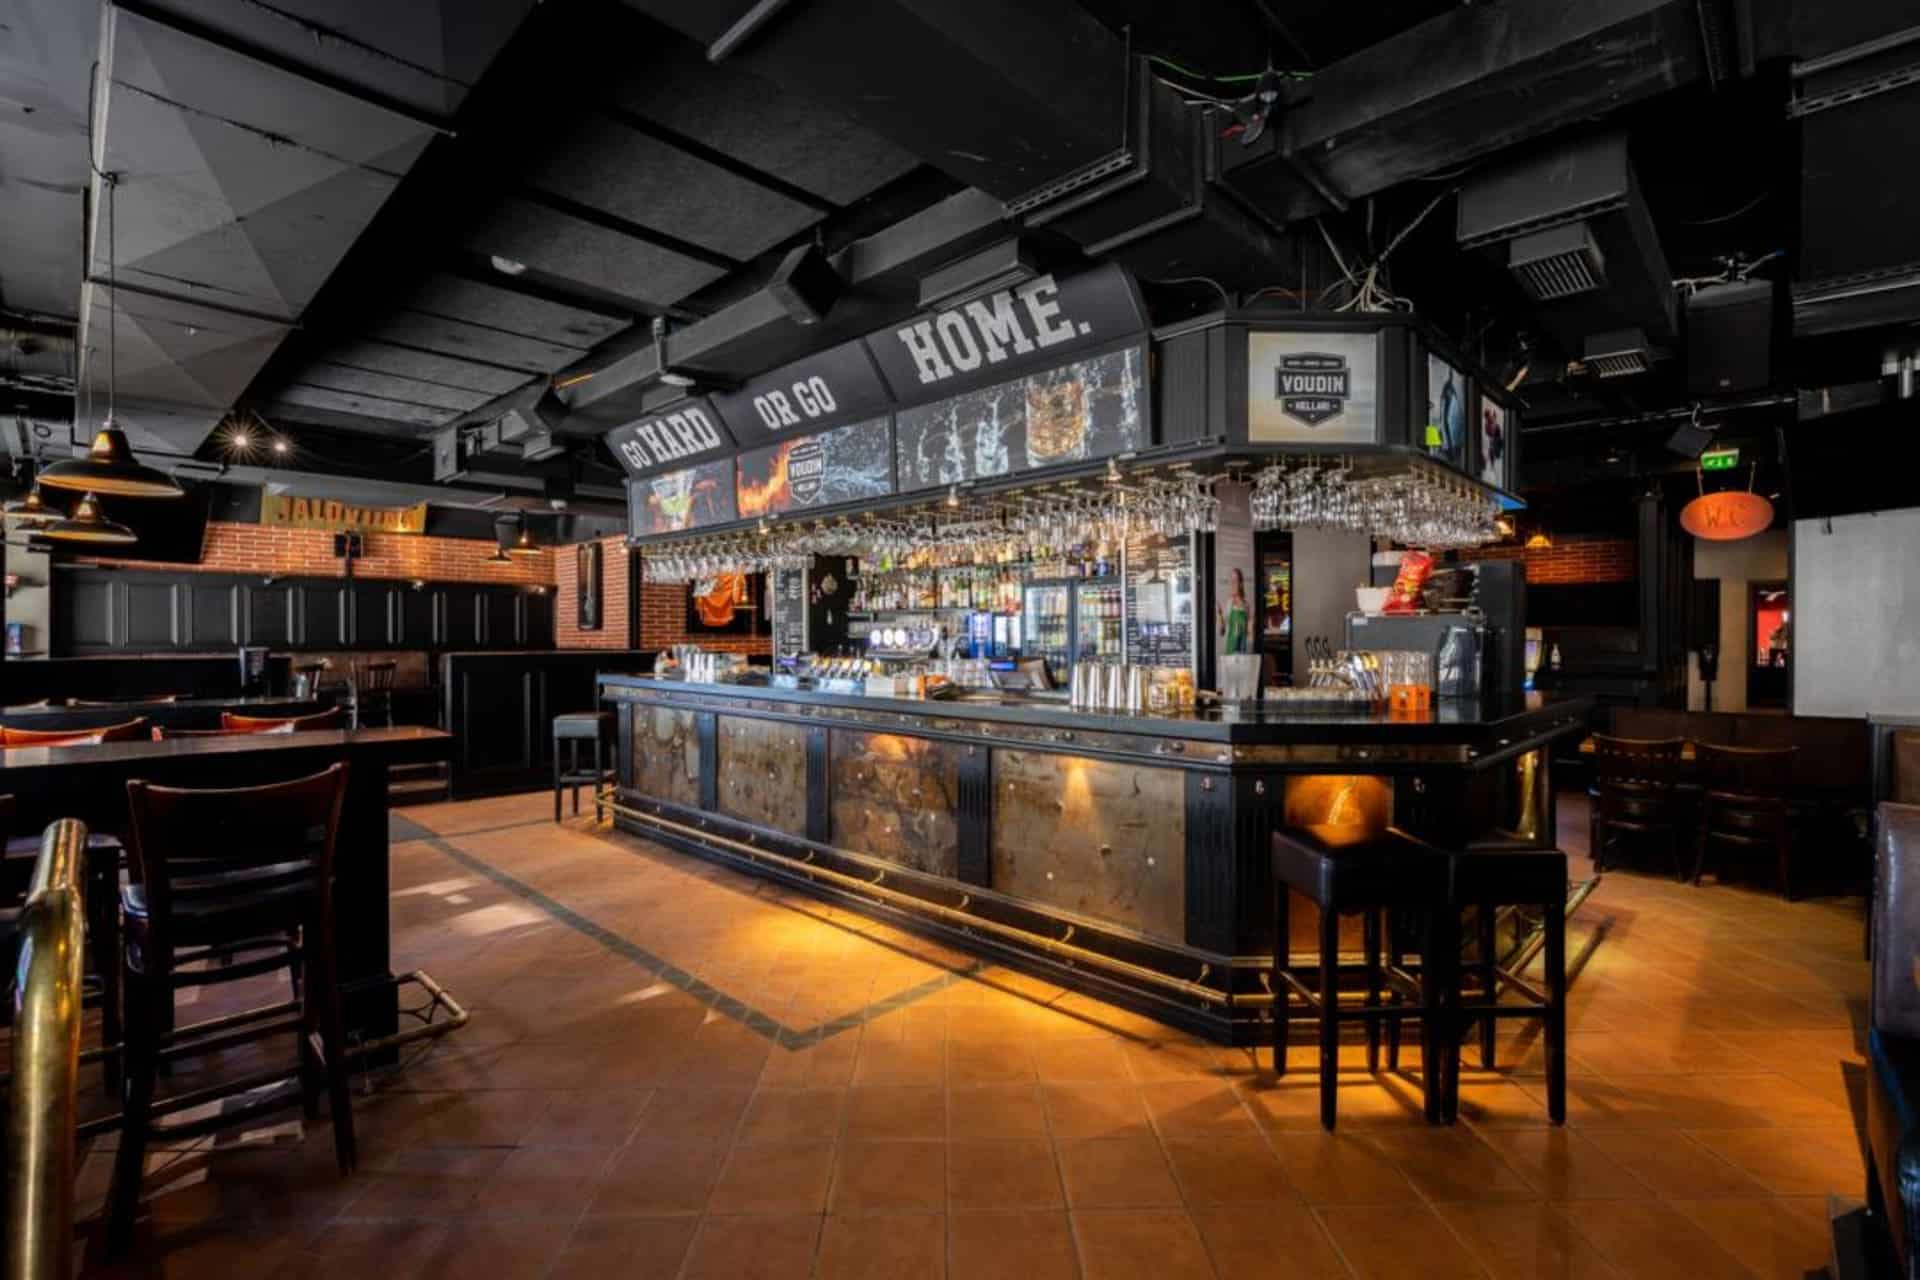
1235	619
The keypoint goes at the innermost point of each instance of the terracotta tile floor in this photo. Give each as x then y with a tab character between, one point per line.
674	1071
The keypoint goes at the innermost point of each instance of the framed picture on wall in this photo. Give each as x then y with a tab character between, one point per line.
588	569
728	604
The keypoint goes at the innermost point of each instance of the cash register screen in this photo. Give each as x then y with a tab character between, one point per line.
1020	673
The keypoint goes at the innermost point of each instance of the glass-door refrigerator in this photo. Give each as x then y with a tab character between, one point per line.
1046	619
1100	623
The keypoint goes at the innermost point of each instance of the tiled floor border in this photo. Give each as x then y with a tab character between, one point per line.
719	1001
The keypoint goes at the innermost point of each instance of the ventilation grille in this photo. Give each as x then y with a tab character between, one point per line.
1557	263
1619	354
1620	365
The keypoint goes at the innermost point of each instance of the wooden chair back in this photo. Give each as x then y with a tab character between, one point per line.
214	861
380	677
332	718
1636	761
127	731
1757	772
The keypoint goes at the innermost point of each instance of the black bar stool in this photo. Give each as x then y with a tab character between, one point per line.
1346	870
1488	879
242	876
573	729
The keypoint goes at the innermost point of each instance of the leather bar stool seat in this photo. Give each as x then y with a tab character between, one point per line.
1344	871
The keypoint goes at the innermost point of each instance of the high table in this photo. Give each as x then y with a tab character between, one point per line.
1124	855
89	783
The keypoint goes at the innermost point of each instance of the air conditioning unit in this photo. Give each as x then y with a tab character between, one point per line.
1557	263
1620	354
1568	221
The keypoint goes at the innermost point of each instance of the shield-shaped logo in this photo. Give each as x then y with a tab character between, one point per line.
1312	387
806	471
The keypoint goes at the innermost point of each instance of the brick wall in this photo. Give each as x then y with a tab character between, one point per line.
613	598
308	553
1570	560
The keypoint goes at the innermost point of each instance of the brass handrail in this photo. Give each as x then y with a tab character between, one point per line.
46	1054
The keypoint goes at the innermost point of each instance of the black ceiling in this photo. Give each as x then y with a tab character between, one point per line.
603	169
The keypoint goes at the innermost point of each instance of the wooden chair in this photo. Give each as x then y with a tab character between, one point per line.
127	731
332	718
244	876
376	694
1633	792
1746	804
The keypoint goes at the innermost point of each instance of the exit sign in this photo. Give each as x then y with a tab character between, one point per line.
1719	459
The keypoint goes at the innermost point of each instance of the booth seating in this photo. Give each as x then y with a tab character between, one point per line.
1893	1038
1832	769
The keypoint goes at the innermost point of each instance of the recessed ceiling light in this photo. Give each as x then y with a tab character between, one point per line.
508	266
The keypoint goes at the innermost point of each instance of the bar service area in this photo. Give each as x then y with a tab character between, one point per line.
879	640
1043	643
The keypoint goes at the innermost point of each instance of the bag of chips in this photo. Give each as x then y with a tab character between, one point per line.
1410	584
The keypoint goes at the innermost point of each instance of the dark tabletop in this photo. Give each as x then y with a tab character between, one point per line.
406	744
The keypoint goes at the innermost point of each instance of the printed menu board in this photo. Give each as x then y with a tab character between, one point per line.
1160	601
789	611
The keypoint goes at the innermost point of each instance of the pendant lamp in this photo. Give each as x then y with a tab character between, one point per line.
524	545
87	525
109	465
32	509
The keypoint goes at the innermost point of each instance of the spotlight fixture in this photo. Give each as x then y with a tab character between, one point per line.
110	468
507	266
281	446
953	495
32	509
86	524
240	441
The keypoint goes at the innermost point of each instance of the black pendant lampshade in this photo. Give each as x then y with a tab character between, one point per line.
111	468
31	510
87	525
524	545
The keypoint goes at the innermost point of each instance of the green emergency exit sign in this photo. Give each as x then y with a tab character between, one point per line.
1719	459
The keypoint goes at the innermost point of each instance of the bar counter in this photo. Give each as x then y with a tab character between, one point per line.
1121	854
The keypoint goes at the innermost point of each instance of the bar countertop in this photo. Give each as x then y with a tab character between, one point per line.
1450	721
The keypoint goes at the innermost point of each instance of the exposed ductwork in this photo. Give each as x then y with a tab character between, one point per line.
1571	226
237	153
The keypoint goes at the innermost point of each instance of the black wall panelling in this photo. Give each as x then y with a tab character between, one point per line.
136	611
976	816
500	709
213	615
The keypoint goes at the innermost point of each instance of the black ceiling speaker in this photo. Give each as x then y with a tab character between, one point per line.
805	284
1691	440
1730	337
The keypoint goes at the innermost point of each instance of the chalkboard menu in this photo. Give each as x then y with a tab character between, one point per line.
1160	601
790	611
